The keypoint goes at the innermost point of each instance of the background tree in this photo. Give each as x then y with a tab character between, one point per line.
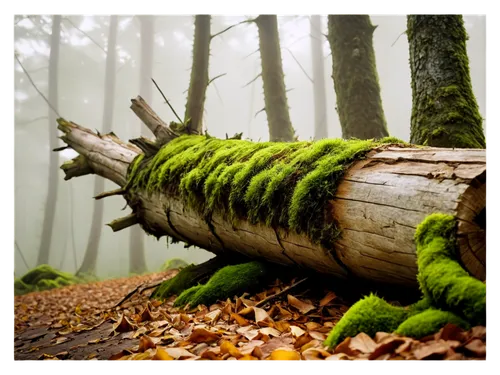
444	110
276	105
359	104
318	65
90	258
50	203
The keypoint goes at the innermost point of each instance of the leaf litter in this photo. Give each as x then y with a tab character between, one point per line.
288	328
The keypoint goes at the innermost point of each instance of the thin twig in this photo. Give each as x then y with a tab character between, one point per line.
300	66
399	36
87	35
279	294
262	110
164	97
230	27
146	287
213	79
36	88
257	50
23	123
218	94
253	80
22	256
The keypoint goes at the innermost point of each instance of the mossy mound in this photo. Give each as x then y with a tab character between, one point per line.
174	263
450	295
41	278
273	183
226	283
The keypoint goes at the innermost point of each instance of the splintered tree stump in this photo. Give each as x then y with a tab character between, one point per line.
377	206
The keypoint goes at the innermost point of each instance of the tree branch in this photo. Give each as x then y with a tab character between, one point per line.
123	222
300	66
76	167
253	80
87	35
230	27
164	97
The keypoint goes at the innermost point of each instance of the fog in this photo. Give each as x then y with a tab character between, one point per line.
232	106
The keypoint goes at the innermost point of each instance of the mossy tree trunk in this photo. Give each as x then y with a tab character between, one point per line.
276	105
137	257
444	110
375	204
199	74
90	258
50	203
359	104
319	92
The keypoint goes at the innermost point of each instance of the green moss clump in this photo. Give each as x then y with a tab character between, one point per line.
174	263
186	296
226	283
271	183
429	322
369	315
41	278
451	295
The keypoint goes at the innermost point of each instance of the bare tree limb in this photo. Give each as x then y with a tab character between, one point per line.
262	110
253	80
164	97
300	66
230	27
106	194
399	36
279	294
213	79
87	35
123	222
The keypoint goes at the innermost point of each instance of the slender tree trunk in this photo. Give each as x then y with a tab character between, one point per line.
319	92
137	258
199	74
90	258
278	116
444	111
50	205
359	104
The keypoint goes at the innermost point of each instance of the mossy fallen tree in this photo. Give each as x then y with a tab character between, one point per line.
43	277
345	208
450	294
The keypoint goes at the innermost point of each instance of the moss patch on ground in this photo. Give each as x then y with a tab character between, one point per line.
450	294
174	263
41	278
240	179
226	283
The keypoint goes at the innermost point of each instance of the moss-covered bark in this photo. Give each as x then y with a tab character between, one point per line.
359	103
444	111
276	105
199	74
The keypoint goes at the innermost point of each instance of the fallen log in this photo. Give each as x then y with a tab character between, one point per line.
366	226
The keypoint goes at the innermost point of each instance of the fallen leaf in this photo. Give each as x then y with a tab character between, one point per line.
363	343
146	343
123	325
315	354
434	348
248	357
313	326
162	355
285	355
261	315
284	341
477	347
303	307
296	331
345	347
271	331
178	353
388	346
213	316
203	335
239	319
330	296
317	335
228	348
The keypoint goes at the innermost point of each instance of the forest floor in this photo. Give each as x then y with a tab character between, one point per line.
87	322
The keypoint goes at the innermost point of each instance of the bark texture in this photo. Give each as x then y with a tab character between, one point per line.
50	204
319	92
444	110
90	258
377	206
359	104
199	74
276	105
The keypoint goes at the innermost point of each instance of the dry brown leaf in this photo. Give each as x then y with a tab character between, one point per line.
363	343
315	354
227	347
345	347
161	355
313	326
146	343
123	325
269	331
284	341
317	335
338	356
435	348
249	334
285	355
257	352
261	315
213	316
139	332
203	335
477	347
303	307
178	353
248	348
387	346
239	319
330	296
296	331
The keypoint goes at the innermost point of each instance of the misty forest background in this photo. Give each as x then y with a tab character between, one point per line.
234	103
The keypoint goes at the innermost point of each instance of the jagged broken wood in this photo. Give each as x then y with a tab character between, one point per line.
124	222
377	206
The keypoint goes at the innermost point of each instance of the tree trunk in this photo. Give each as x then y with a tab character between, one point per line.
278	116
198	82
359	104
377	206
90	258
444	110
319	92
137	257
50	205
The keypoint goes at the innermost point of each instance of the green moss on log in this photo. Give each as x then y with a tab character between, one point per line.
174	263
444	110
226	283
450	294
240	179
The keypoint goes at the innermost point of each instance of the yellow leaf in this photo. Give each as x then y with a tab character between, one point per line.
285	355
248	357
227	347
330	296
239	319
162	355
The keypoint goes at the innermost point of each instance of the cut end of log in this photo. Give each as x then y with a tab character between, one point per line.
123	222
471	235
76	167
